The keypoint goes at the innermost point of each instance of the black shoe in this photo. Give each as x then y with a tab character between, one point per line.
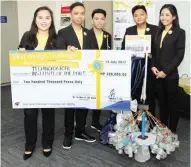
67	143
96	126
47	153
85	137
27	156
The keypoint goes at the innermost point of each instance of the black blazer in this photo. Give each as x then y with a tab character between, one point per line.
67	36
170	55
29	44
133	31
106	44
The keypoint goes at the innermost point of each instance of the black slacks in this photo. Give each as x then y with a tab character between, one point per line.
96	116
151	91
80	115
30	126
167	91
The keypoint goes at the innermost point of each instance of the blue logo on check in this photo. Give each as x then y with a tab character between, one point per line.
97	65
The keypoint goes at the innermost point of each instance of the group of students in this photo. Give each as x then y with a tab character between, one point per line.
168	45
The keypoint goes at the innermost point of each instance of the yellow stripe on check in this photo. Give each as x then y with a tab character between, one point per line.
98	92
96	68
98	84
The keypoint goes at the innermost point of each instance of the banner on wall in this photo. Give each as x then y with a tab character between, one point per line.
62	16
122	17
65	18
63	79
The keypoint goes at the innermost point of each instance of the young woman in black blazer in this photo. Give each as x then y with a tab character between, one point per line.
170	48
41	36
139	13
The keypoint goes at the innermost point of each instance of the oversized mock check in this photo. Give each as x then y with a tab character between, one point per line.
80	79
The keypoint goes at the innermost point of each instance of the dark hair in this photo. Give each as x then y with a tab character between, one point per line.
98	11
34	29
138	7
75	5
174	12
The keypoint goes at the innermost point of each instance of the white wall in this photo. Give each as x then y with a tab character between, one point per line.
183	7
9	37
